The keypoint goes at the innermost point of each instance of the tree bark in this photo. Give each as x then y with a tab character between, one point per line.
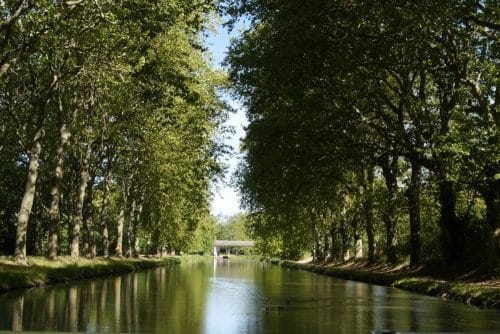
104	211
38	234
121	219
53	245
78	219
368	211
29	194
344	238
333	247
452	229
358	243
119	235
130	227
413	197
491	196
135	251
390	170
494	251
89	242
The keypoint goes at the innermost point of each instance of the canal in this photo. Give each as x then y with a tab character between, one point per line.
224	297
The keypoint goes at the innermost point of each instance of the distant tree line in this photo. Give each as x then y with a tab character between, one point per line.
109	112
232	228
374	128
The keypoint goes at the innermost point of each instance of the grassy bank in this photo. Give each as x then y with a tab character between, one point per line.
471	293
42	272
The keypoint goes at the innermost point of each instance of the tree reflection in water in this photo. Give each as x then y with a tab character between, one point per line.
233	297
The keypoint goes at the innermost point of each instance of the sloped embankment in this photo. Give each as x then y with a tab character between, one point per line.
42	272
469	293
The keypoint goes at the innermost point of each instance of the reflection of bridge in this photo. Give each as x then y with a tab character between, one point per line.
228	244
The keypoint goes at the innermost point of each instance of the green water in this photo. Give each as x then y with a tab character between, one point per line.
233	297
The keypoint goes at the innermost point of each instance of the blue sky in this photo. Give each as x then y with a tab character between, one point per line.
225	200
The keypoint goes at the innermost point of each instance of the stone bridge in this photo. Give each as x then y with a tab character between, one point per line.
228	244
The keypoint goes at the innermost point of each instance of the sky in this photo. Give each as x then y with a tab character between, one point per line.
225	200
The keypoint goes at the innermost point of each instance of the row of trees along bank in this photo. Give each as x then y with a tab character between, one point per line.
372	124
108	114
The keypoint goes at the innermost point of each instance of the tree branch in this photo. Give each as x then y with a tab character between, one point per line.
21	8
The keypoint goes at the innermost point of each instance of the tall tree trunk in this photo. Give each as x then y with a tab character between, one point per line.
82	187
491	196
104	211
135	251
390	170
53	245
413	196
333	247
368	212
121	219
35	242
326	245
70	202
89	242
29	194
452	229
130	227
119	235
344	237
358	241
30	186
38	235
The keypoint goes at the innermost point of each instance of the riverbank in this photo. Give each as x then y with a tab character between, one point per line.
479	292
42	272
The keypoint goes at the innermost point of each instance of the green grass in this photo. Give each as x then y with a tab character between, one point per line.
41	271
474	294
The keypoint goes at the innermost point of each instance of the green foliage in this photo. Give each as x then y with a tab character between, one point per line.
234	228
140	103
335	91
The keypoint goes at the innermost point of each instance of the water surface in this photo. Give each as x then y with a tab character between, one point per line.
223	297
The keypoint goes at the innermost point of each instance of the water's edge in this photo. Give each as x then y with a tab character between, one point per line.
12	278
471	294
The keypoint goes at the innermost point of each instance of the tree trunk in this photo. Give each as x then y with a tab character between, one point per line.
30	186
29	194
89	242
358	243
104	212
35	235
491	196
344	240
390	170
135	251
413	196
121	220
452	229
333	246
38	235
326	246
82	187
53	246
119	235
130	227
368	211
